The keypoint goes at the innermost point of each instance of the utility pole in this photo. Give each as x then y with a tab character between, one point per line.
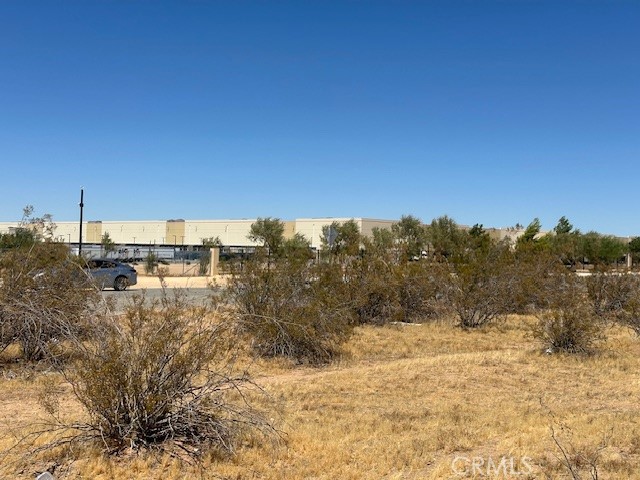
81	207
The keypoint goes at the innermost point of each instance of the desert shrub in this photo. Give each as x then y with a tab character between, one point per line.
150	263
611	293
419	293
379	290
479	289
204	264
45	299
630	315
569	323
616	297
160	377
370	285
535	277
290	308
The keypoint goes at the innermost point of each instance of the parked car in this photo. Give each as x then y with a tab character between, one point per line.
107	273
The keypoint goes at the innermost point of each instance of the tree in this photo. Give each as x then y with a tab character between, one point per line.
30	229
479	239
297	248
107	244
446	237
212	242
563	226
411	236
563	242
611	249
270	232
382	240
596	248
530	232
634	248
205	258
341	239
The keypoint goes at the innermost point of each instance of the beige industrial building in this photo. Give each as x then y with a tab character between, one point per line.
191	232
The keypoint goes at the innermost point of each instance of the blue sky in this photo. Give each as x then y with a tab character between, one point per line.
489	112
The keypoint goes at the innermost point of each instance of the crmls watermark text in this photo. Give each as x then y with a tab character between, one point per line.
488	466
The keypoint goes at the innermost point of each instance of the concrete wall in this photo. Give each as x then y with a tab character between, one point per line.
289	229
7	227
175	232
145	233
368	224
230	232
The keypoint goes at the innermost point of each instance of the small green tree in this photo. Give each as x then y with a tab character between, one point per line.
562	242
563	227
297	248
382	239
410	235
479	239
341	240
150	263
30	229
448	240
528	240
205	258
107	244
269	232
599	249
634	248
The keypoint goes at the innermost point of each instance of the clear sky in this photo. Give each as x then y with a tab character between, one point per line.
490	112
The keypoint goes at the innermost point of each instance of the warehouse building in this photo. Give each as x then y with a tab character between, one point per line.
191	233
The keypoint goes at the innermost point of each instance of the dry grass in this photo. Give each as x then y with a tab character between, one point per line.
403	403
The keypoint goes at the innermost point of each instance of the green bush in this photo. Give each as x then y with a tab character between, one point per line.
150	263
290	309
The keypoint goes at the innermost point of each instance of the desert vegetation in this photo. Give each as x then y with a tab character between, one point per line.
424	351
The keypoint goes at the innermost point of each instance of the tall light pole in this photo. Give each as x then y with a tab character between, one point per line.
81	207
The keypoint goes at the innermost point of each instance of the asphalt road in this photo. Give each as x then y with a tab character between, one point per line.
195	296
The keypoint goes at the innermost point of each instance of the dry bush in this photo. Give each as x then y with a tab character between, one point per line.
569	323
381	290
370	287
419	292
535	275
45	299
578	460
160	377
480	289
291	309
616	297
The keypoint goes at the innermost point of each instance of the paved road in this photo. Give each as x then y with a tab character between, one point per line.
195	296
